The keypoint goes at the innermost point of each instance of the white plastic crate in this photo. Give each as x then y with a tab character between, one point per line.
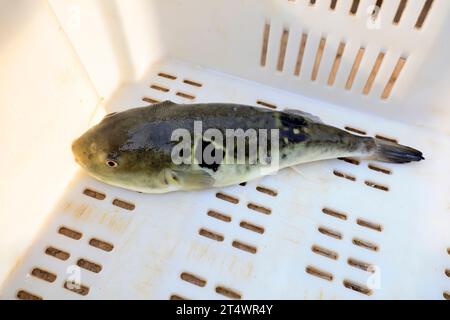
339	229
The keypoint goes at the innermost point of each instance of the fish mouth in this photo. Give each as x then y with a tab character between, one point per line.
75	151
81	153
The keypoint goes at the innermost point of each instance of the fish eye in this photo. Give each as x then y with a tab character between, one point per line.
111	163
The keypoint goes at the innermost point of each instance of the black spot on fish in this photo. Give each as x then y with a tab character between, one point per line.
291	120
206	163
293	135
292	129
213	166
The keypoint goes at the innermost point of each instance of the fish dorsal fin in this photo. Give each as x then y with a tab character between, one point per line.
166	103
109	115
304	115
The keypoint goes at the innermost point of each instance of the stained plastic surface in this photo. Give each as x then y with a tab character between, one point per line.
334	229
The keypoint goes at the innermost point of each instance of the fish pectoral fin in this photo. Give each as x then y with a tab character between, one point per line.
304	115
192	179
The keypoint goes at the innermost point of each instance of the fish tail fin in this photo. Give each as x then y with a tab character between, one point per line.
386	151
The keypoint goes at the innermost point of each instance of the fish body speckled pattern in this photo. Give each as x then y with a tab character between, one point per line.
133	149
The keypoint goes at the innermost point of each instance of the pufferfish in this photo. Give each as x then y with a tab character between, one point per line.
133	149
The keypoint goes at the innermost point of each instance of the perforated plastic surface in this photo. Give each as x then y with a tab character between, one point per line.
333	229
